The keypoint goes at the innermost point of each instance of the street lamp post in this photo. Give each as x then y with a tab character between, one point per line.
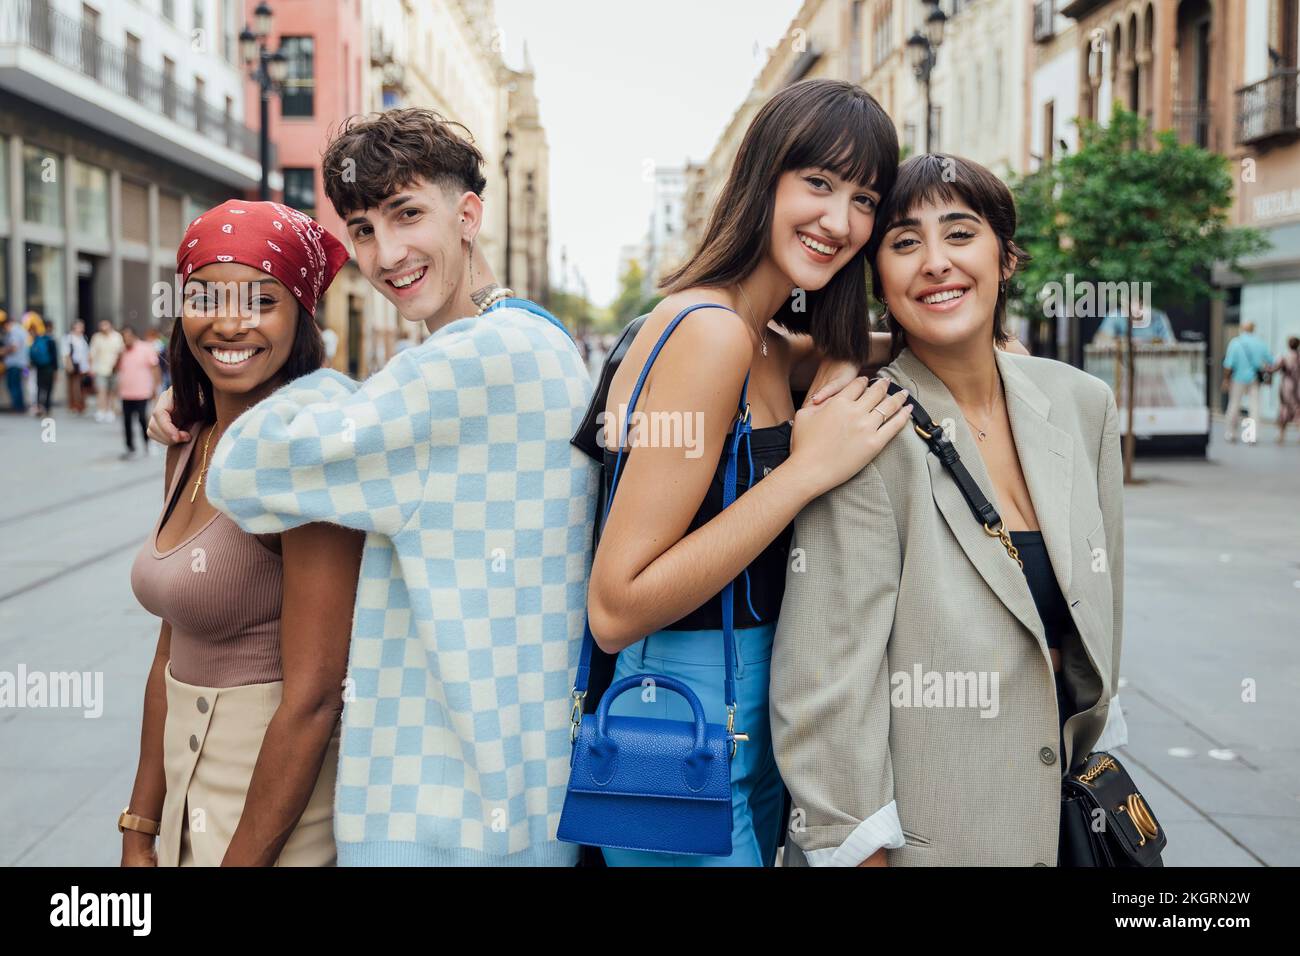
268	71
923	48
505	168
530	209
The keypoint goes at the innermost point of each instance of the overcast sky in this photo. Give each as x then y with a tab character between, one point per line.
621	82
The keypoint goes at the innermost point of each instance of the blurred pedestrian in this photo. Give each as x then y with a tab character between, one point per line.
1245	363
106	346
1288	370
76	363
44	354
17	361
159	344
139	380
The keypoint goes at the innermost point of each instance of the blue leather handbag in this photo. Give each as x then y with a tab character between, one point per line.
644	783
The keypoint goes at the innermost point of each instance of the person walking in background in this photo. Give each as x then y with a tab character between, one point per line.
159	344
106	347
76	363
1288	369
16	361
44	354
1247	356
139	379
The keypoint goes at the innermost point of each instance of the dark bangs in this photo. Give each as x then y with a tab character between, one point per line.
851	139
936	179
831	124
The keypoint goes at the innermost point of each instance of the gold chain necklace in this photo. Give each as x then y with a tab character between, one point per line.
981	433
203	467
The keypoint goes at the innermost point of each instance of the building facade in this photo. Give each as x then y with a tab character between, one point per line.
119	121
350	57
1265	136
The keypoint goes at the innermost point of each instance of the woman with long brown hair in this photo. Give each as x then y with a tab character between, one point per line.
239	744
773	301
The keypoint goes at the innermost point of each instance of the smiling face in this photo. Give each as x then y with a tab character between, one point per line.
411	247
819	222
939	268
239	324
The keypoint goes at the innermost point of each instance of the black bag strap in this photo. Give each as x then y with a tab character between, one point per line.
943	449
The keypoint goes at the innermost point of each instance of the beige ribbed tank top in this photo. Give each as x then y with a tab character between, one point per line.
221	590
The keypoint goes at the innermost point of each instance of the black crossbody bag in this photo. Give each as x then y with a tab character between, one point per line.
1105	821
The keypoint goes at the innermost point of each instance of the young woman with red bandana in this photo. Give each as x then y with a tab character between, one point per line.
239	744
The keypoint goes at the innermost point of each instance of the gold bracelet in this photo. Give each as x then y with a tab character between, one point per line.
129	821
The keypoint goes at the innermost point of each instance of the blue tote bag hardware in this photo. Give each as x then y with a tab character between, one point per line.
644	783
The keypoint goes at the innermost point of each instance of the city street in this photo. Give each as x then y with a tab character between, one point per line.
1211	675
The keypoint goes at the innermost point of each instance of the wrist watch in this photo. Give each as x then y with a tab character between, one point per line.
129	821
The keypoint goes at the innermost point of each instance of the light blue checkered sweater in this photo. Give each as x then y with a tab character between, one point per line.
455	459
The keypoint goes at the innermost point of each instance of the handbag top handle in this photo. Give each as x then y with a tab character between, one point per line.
728	496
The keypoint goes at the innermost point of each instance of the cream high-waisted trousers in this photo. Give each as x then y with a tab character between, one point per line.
210	745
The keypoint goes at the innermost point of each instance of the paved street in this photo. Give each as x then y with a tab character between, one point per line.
1213	584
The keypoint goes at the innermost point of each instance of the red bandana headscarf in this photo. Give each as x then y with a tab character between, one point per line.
282	242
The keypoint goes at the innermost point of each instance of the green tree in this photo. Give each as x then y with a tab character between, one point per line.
625	306
1127	207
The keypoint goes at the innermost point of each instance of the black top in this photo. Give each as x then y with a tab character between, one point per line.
1049	600
769	447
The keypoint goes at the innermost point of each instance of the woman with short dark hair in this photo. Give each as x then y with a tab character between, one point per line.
955	647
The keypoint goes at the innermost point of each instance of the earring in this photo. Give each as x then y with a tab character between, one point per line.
471	265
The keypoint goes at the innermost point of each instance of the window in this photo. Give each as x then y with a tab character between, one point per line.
169	10
300	189
171	225
135	211
229	120
4	186
298	98
200	20
229	18
1049	131
884	33
936	115
42	186
90	41
200	104
169	87
45	283
90	188
133	88
4	276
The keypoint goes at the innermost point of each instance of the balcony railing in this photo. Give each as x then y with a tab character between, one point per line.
35	24
1194	124
1044	20
1266	111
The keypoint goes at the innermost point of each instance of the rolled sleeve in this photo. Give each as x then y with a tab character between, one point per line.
881	829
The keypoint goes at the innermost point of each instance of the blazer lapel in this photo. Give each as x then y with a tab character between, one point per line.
983	550
1047	461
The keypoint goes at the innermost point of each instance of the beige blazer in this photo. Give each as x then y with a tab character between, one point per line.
911	671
